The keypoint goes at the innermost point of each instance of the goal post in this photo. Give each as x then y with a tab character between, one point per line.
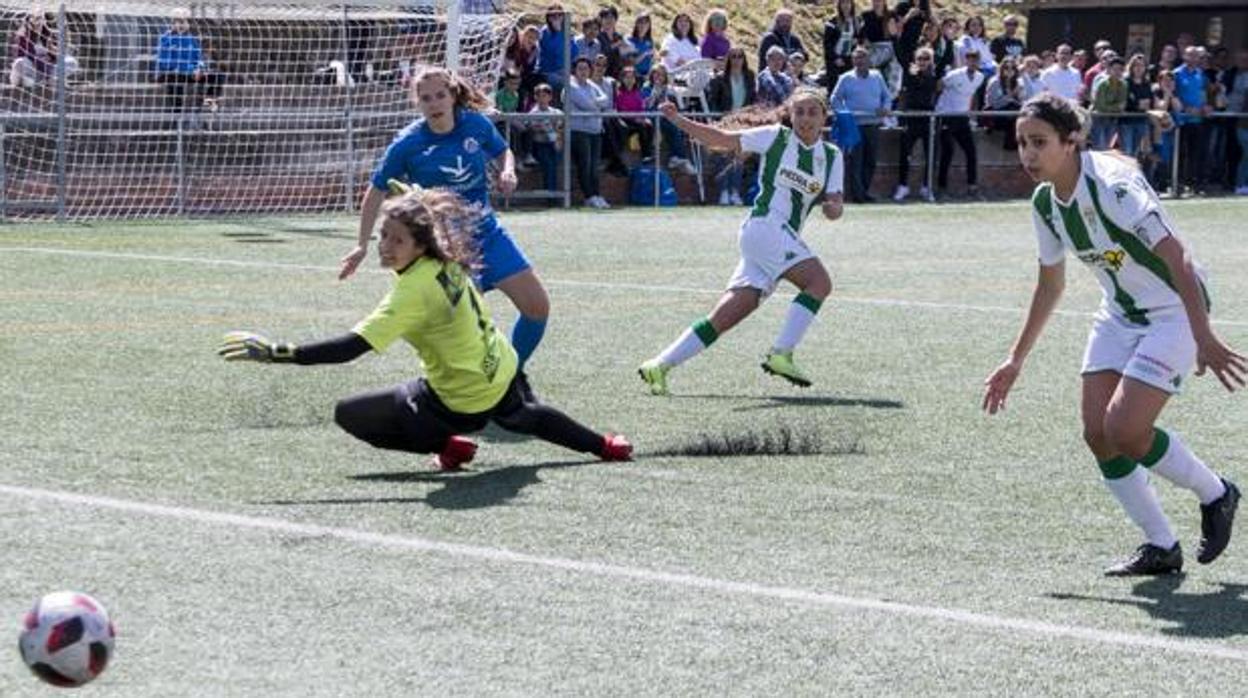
135	108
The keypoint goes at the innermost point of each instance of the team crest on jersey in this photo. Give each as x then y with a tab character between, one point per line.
796	179
1109	260
471	145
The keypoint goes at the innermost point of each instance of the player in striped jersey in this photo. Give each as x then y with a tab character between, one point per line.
799	171
1152	327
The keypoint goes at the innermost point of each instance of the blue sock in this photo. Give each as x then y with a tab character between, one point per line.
526	335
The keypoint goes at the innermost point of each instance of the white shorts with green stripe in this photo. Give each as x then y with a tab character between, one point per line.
1160	354
767	252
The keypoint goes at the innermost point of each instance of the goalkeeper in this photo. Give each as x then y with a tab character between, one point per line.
469	366
450	147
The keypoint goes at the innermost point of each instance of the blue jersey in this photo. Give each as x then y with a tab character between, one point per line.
455	161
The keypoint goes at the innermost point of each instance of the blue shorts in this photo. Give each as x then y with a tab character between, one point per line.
500	255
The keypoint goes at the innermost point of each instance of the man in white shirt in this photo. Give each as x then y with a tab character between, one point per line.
1063	79
957	92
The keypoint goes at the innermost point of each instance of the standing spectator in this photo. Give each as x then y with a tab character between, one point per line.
1133	129
1030	77
611	40
641	45
1237	101
585	102
178	55
1190	84
612	144
34	50
974	40
945	48
550	52
774	84
957	90
1063	79
781	34
587	44
1109	98
545	136
628	99
877	32
658	92
1169	60
1079	61
521	58
1005	93
914	20
918	93
1008	44
840	36
507	101
681	46
797	71
1223	145
730	90
715	42
863	92
1104	54
1167	103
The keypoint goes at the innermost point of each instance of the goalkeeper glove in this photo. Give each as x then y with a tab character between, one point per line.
248	346
398	188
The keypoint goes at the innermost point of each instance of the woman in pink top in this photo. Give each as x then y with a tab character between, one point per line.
628	98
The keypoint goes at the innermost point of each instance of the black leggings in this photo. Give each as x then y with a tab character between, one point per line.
412	418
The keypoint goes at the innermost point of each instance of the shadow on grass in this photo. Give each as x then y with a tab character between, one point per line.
473	489
771	401
1220	614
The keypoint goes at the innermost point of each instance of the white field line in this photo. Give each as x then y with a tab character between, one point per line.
1002	624
650	288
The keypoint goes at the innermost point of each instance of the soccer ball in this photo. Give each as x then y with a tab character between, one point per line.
67	639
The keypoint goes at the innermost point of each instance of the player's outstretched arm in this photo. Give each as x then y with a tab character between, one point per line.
370	206
1050	284
706	134
1211	352
250	346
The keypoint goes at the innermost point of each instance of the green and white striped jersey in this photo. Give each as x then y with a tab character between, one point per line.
1103	226
791	176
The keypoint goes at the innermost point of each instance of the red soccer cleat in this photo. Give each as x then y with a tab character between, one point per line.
457	452
616	448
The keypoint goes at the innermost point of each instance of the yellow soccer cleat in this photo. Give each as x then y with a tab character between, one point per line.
781	364
654	374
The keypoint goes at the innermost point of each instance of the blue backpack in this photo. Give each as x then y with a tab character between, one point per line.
641	187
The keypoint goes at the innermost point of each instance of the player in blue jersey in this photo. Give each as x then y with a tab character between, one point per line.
1152	328
450	147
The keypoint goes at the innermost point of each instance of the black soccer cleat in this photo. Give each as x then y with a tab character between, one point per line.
1216	518
1149	559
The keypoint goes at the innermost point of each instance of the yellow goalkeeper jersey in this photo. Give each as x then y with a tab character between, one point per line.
435	308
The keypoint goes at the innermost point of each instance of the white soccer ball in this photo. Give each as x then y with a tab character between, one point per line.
67	639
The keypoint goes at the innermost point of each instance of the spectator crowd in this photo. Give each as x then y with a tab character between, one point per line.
881	65
885	66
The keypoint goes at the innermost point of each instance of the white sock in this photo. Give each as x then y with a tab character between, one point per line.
1179	465
689	344
1140	502
799	318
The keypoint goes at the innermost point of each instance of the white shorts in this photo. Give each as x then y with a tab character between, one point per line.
1160	354
767	252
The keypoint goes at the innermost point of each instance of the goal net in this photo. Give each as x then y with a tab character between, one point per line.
155	108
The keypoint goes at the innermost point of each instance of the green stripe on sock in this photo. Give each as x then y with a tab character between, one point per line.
1116	468
1161	444
705	332
808	302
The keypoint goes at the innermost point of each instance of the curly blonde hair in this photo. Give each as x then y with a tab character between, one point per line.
440	221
